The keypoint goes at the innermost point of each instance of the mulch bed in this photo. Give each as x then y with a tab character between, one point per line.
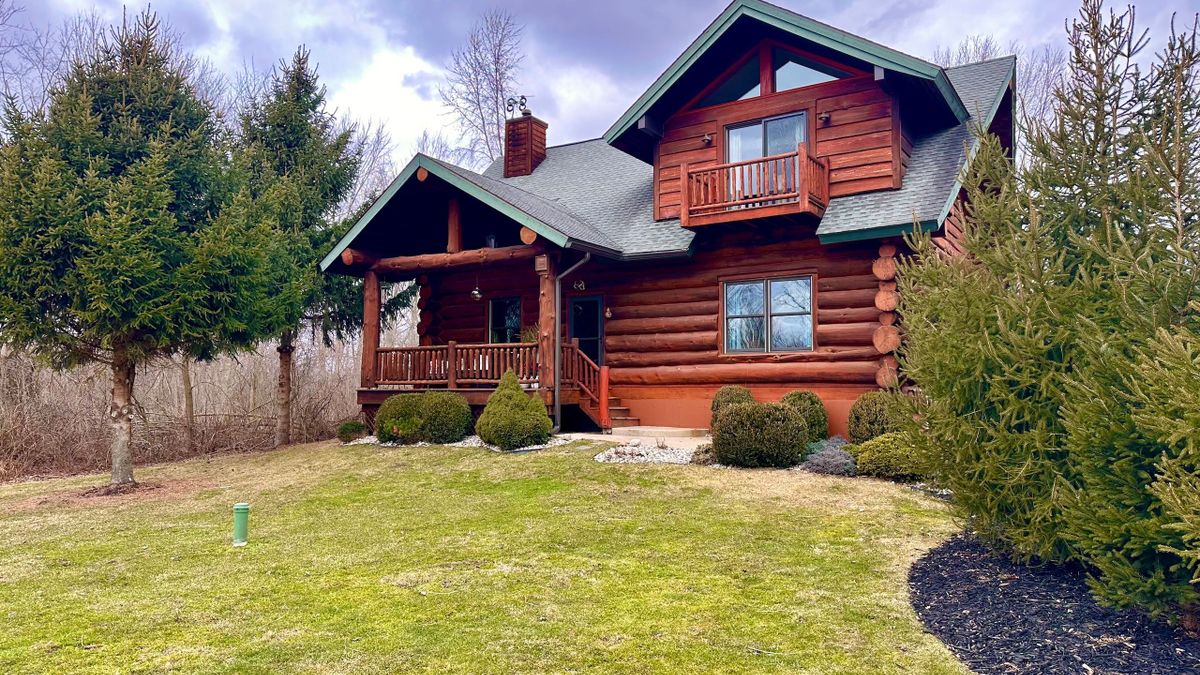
1001	617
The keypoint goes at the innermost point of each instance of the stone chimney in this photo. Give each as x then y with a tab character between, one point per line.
524	144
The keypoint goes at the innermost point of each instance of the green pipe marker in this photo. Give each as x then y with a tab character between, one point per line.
241	523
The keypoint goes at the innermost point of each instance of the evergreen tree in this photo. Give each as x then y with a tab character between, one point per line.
301	163
122	238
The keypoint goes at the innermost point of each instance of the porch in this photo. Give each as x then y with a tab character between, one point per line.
474	370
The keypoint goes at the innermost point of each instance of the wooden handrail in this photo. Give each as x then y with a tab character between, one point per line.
722	190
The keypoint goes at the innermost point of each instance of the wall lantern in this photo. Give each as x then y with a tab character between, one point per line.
490	241
708	139
608	312
476	294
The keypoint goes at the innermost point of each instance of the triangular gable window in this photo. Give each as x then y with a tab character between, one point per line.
793	71
742	84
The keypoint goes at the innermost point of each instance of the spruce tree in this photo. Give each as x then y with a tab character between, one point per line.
304	164
122	238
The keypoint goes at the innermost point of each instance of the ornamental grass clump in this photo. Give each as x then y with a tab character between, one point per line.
727	396
512	418
876	413
760	435
812	408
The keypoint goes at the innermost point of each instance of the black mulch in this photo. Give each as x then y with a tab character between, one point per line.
1001	617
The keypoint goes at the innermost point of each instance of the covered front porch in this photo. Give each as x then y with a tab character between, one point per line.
489	299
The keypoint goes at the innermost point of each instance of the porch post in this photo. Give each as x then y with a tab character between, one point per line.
545	266
453	227
370	343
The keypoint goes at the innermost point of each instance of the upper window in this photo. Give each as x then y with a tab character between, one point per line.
764	138
742	84
504	320
793	71
769	315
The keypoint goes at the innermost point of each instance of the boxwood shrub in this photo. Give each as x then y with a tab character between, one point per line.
512	419
760	435
812	408
445	417
726	396
398	420
891	455
350	430
875	413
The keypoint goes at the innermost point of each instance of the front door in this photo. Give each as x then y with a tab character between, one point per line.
586	323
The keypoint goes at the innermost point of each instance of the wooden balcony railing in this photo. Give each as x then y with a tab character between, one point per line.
788	183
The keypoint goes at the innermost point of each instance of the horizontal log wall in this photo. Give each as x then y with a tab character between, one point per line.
451	313
862	138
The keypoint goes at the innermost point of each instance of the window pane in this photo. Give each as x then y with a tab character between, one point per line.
791	296
791	333
745	335
745	298
784	134
505	320
742	84
744	142
793	71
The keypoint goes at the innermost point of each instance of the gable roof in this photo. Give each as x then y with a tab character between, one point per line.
801	27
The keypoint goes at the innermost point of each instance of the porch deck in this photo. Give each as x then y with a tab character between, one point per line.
474	370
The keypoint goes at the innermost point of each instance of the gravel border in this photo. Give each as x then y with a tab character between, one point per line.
468	442
1001	617
635	452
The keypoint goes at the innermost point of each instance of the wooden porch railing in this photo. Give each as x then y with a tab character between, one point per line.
453	364
731	191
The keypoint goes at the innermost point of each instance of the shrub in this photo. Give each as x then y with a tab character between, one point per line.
891	455
726	396
398	420
760	434
835	443
875	413
831	461
812	408
350	430
445	417
512	419
704	455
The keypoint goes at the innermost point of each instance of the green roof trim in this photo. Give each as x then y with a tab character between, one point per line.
878	232
436	168
800	26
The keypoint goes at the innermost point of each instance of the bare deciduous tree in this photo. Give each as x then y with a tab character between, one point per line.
482	74
436	145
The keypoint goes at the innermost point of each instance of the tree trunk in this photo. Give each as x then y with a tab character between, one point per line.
283	391
189	404
120	414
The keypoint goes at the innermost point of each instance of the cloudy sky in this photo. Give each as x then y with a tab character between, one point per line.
586	61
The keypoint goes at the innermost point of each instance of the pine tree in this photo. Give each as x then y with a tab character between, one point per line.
121	239
301	163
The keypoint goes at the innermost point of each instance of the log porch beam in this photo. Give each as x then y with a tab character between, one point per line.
443	261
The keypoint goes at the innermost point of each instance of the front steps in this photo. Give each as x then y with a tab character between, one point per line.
619	415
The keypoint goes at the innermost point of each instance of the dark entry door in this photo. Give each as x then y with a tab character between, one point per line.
586	324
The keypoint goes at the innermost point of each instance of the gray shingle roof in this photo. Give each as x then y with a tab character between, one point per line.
602	199
930	184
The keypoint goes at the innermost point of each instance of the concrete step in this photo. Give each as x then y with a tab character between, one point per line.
657	432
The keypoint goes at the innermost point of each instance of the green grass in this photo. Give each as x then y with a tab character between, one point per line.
367	559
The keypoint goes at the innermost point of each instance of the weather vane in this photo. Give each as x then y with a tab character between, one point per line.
516	103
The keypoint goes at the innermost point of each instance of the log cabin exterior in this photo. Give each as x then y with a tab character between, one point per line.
739	224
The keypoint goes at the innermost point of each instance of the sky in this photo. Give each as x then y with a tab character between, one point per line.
586	62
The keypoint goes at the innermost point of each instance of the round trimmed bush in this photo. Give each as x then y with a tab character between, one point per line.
398	420
727	396
513	419
445	417
812	409
760	434
351	430
892	456
875	413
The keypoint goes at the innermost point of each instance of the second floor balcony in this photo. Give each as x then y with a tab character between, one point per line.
791	183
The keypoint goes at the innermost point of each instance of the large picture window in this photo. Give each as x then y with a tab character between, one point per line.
769	315
504	320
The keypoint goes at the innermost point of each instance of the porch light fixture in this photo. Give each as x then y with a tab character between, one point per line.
476	294
708	139
608	312
490	241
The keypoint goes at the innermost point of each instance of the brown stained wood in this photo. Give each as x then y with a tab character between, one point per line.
436	261
746	373
662	343
858	334
422	174
887	318
354	258
528	236
886	339
453	227
840	299
887	301
887	250
547	272
371	299
846	315
887	376
697	357
884	269
662	324
701	308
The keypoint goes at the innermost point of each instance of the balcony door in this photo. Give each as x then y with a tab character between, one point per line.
586	324
759	139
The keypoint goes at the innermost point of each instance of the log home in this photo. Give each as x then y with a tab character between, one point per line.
737	225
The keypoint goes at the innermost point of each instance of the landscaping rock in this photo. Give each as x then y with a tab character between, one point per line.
1001	617
468	442
634	452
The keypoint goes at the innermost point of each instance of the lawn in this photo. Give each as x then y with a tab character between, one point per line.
433	559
